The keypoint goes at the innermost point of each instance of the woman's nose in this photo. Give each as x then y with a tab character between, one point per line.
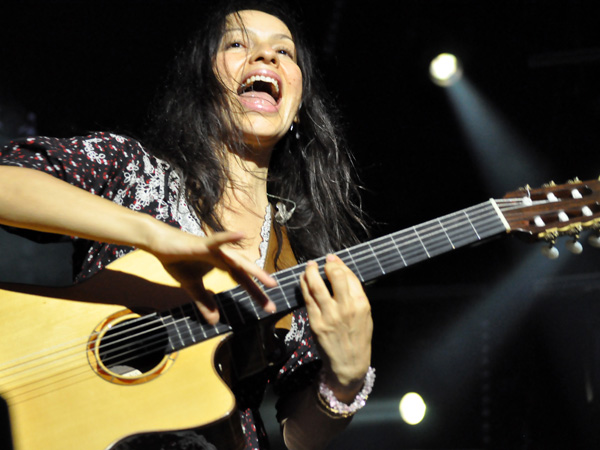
266	54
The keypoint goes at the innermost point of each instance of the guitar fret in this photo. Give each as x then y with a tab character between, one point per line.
488	220
388	257
446	233
463	237
244	300
382	271
471	223
398	250
419	238
254	310
222	310
175	338
187	324
370	267
285	297
196	324
238	310
200	322
184	332
171	344
286	289
438	245
351	263
460	235
436	242
413	249
245	306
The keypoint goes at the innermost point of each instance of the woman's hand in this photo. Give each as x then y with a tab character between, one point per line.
342	323
188	258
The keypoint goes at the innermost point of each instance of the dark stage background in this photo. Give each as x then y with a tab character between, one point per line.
503	344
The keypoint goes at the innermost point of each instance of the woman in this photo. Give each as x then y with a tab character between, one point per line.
243	125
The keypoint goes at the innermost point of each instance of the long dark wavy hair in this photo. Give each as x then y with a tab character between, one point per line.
311	165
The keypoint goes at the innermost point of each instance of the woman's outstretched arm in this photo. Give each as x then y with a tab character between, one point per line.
35	200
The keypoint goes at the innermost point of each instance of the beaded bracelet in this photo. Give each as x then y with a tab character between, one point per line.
339	410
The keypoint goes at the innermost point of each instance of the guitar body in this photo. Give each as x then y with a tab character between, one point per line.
58	393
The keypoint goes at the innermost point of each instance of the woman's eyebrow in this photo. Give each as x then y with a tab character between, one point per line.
248	32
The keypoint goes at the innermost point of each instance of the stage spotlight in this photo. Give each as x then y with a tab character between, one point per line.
412	408
445	69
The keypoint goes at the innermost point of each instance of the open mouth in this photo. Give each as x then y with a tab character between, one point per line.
261	86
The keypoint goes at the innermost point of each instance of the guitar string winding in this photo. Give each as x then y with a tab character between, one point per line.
285	278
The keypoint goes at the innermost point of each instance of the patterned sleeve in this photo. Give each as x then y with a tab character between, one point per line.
114	167
97	163
88	162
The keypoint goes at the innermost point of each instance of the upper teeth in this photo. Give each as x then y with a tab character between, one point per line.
250	81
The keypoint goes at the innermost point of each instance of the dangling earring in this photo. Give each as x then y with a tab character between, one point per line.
297	134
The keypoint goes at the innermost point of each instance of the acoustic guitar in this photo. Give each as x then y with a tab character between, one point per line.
87	374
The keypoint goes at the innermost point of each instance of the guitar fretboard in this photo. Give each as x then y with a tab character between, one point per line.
369	261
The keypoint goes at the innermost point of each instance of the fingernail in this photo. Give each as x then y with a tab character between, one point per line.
270	281
212	318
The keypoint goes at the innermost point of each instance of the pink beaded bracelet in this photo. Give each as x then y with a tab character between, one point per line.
337	409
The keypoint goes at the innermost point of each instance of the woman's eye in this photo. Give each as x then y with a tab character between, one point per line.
286	52
234	43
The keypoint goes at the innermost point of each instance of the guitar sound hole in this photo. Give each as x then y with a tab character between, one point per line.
134	347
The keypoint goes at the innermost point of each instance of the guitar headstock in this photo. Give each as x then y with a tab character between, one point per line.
554	210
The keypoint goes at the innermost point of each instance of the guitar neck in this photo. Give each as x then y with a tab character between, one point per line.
387	254
369	261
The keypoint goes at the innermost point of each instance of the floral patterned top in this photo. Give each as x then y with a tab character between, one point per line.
120	169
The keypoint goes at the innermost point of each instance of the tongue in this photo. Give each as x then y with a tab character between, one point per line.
259	95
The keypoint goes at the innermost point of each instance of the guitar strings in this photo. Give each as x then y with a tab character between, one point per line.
194	310
404	237
76	346
284	282
284	276
30	389
183	319
190	330
506	205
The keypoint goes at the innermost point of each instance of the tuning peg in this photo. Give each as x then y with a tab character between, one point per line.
550	252
594	240
574	246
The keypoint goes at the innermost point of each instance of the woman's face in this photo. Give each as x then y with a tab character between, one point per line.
257	64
